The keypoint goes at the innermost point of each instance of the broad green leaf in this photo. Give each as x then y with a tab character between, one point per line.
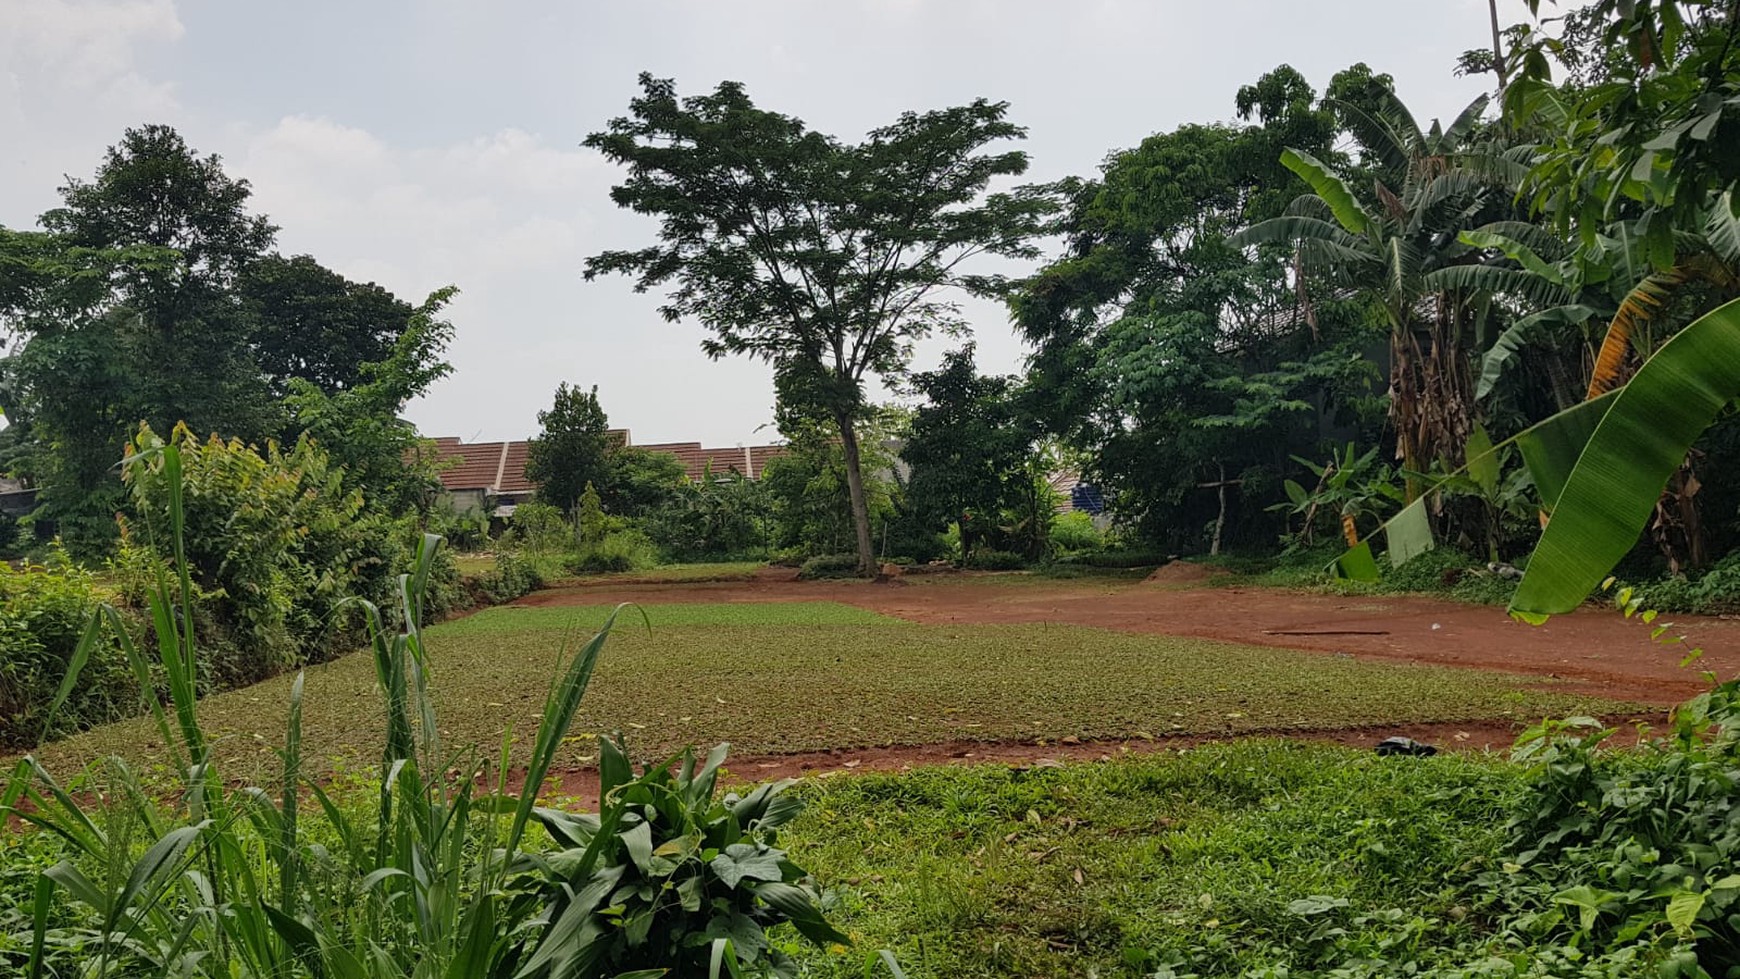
1522	254
1640	442
1357	563
742	861
1325	184
1483	465
1682	911
1550	449
1409	533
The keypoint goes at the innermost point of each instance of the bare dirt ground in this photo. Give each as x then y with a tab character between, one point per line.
1596	650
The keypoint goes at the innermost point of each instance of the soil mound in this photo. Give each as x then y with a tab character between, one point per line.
1180	573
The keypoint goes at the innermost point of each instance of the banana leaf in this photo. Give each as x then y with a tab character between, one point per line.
1409	533
1640	442
1550	449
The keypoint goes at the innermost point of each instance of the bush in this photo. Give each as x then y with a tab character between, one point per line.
988	559
1075	532
1634	844
44	612
616	553
274	544
829	566
1714	592
1116	559
511	577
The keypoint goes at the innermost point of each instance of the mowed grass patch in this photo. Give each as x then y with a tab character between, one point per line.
1186	864
789	677
671	574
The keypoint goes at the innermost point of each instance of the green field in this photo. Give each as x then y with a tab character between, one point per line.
1231	858
787	677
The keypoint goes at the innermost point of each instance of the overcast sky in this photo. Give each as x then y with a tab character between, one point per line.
417	144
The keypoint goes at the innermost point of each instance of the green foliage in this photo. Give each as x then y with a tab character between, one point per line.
1715	591
669	876
1115	558
826	259
589	520
274	544
638	482
1075	532
441	879
571	449
539	528
511	577
309	323
830	566
718	517
44	612
627	550
1348	487
987	559
808	494
361	427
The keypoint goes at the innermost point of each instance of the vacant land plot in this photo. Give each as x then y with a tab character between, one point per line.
807	676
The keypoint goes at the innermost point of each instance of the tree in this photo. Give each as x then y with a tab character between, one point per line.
306	321
824	258
155	198
1401	246
571	448
638	482
1170	359
967	447
361	426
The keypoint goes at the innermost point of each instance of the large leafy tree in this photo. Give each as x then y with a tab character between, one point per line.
828	259
306	321
1171	358
572	447
968	445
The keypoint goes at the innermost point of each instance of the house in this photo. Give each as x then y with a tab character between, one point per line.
17	498
474	474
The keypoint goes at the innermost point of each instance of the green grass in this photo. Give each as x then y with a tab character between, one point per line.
474	564
681	573
1191	860
784	677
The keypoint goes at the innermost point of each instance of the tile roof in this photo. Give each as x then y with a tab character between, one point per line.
500	467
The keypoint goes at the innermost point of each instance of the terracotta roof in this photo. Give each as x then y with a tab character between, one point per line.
500	467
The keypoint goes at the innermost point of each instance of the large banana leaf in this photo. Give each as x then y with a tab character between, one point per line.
1323	181
1549	448
1523	331
1640	442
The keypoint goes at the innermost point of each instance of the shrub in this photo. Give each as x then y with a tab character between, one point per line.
511	577
274	545
541	528
829	566
622	551
1714	592
1074	532
988	559
44	612
1117	559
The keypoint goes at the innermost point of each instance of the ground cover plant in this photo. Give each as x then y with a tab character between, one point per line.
800	676
1267	859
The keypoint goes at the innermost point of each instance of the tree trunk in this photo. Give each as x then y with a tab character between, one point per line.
855	488
1497	46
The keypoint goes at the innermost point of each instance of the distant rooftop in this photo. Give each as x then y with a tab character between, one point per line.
499	468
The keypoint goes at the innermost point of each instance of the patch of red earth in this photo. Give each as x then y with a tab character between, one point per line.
1473	737
1593	650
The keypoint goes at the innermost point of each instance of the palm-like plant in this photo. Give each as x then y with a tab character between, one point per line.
1403	246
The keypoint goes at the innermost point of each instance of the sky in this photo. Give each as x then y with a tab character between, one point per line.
420	144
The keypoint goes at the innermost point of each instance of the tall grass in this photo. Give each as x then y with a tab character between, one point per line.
436	879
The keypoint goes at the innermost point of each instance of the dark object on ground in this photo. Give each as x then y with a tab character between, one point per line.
1405	746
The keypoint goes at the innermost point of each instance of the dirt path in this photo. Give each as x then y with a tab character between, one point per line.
1458	738
1597	650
